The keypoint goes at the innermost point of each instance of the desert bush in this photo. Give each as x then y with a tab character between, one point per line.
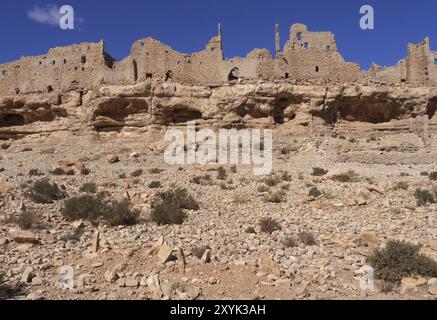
318	172
35	173
122	175
349	176
400	185
269	225
286	176
28	220
155	171
94	208
263	188
86	207
433	175
307	238
202	180
198	251
88	187
399	260
233	169
43	192
120	213
276	196
289	242
404	174
272	180
250	230
73	236
155	185
315	192
137	173
221	173
168	206
424	196
285	151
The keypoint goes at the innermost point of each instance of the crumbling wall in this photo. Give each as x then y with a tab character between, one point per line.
61	69
314	55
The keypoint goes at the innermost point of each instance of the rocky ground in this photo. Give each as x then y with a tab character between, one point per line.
348	220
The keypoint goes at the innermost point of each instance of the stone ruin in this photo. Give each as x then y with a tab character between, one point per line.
306	82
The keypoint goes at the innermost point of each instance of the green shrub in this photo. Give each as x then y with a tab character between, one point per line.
424	196
307	238
318	172
168	206
399	260
43	192
155	185
89	187
269	225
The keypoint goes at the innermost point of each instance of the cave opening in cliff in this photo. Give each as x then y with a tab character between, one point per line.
279	110
233	75
12	120
431	109
183	115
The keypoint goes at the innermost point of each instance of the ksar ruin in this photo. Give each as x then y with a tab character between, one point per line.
84	187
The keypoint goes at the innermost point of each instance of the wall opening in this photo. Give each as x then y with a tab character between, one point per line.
306	45
431	109
149	75
233	75
287	75
49	88
168	75
328	48
317	68
11	120
279	110
65	61
53	62
135	67
180	115
83	59
299	36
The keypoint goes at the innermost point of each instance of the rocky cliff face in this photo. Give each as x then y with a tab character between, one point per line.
348	107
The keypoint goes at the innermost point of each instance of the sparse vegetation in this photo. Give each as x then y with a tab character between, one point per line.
269	225
88	187
155	185
221	173
276	196
315	192
250	230
202	180
35	173
398	260
43	192
289	242
26	220
307	238
94	208
272	180
285	151
433	175
74	236
424	196
155	171
349	176
198	251
233	169
168	206
400	185
137	173
318	172
263	188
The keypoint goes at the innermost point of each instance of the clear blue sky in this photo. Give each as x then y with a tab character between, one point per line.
187	25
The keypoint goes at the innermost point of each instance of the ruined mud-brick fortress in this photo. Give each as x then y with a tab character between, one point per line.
306	56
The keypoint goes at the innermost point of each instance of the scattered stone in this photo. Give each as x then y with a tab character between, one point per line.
206	258
164	253
154	286
181	260
24	236
113	159
131	283
28	275
96	241
266	264
410	284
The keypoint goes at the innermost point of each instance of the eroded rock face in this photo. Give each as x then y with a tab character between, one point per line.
239	105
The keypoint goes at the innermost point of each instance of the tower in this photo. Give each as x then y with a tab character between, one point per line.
278	40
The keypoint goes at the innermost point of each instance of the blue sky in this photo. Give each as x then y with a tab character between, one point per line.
187	25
